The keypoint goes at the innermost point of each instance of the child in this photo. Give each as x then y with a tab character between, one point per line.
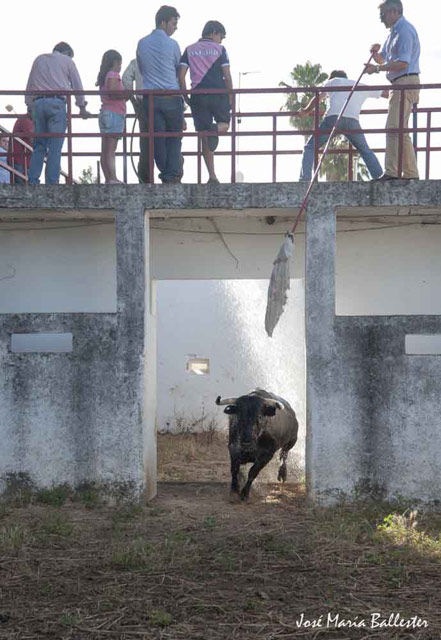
113	111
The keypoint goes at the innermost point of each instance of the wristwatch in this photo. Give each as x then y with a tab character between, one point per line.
377	68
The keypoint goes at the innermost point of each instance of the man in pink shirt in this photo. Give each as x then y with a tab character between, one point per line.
54	71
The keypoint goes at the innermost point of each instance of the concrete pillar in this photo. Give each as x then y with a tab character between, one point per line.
320	314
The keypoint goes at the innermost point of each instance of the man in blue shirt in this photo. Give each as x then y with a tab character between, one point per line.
158	57
399	57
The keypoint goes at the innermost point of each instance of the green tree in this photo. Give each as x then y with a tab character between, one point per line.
87	177
334	166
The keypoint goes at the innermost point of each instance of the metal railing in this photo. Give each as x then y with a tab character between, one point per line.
235	133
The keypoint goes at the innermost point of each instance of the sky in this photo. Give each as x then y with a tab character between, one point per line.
267	38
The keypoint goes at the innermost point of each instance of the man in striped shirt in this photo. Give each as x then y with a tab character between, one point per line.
209	67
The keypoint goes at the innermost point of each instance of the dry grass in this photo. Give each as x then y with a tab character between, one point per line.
193	565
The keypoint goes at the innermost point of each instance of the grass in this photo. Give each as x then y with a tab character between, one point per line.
192	564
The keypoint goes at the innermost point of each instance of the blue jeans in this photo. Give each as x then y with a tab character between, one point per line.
356	138
17	179
168	115
49	115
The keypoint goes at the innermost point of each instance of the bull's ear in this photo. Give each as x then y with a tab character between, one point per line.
269	410
230	409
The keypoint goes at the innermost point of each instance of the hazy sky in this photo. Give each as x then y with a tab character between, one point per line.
267	37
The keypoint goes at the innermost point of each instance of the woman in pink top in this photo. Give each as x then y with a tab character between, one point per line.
113	111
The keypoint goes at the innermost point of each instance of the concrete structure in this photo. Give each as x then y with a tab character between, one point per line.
88	415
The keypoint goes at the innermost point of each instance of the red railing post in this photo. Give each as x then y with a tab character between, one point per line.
125	153
274	148
233	139
69	179
401	134
316	126
199	158
151	127
351	162
428	141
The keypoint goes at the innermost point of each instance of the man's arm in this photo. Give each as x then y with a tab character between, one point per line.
182	81
128	77
77	85
228	83
306	110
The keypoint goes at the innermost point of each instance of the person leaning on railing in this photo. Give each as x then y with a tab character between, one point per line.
54	71
158	56
209	67
19	156
400	58
113	111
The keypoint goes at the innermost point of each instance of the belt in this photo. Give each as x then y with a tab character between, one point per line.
405	76
56	97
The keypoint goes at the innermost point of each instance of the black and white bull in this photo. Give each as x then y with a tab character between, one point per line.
260	423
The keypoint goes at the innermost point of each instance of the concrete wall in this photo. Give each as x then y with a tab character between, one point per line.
80	417
89	415
373	411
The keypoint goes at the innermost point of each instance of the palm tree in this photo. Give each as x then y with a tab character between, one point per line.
334	166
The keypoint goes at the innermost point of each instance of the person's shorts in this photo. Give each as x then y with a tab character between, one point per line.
205	109
111	122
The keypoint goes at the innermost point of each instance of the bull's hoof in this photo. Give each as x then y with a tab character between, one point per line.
281	476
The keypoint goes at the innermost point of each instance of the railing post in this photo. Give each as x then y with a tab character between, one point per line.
69	140
98	172
125	153
415	127
199	157
151	127
274	148
401	134
316	126
428	142
351	160
233	140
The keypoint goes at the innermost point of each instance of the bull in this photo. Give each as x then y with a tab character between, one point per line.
260	423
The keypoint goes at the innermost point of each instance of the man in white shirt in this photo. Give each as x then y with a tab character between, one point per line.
348	123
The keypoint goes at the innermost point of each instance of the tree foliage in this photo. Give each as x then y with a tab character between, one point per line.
334	166
87	177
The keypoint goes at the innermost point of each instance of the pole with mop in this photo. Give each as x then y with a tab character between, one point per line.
279	282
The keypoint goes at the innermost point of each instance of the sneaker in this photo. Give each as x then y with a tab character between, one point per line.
384	178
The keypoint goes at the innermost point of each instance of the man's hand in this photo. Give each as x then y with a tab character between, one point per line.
385	93
303	113
370	69
84	113
375	48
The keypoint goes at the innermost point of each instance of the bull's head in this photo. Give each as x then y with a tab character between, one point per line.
269	409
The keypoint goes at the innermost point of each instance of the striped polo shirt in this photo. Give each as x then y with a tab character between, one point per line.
206	60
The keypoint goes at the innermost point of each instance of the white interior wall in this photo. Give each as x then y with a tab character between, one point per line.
57	267
388	271
224	321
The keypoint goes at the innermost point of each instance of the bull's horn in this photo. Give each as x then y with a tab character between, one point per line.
220	401
273	403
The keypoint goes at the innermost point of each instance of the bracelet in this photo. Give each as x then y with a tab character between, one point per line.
377	69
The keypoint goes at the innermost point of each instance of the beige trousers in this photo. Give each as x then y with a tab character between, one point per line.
409	165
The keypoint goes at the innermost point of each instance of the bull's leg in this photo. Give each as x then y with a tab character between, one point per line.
235	465
281	476
263	457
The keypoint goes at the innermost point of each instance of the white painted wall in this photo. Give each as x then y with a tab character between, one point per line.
395	271
57	267
224	321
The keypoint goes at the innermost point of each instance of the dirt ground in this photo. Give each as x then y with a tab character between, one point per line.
194	564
